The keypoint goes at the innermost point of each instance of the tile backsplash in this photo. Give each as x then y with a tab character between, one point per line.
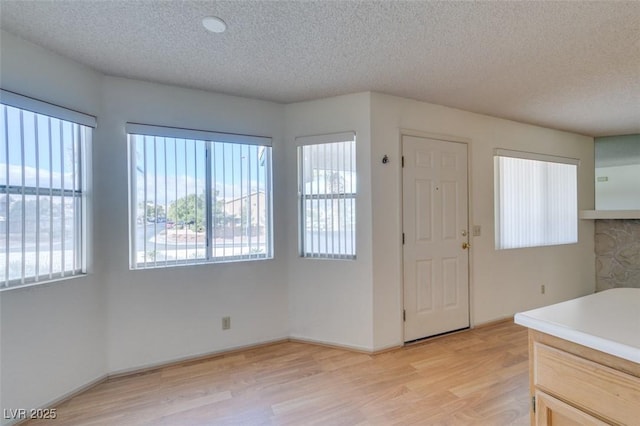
617	253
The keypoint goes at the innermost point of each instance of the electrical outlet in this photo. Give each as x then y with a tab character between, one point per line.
226	323
542	289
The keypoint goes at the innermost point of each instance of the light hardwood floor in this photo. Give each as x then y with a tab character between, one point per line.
476	377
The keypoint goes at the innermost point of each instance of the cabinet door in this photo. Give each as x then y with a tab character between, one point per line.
551	411
608	393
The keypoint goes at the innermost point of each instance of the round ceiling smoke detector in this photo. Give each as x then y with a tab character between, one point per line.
214	24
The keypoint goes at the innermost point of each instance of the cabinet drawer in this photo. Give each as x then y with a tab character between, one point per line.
589	386
553	412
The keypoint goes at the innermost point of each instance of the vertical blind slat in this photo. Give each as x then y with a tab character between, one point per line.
74	135
37	224
233	197
50	199
353	200
166	195
249	201
155	201
63	234
327	190
336	190
7	196
144	203
23	209
224	197
215	228
175	160
186	198
208	202
242	203
195	198
259	219
344	206
317	237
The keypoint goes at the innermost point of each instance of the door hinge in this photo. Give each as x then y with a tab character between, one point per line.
533	404
403	238
404	315
403	161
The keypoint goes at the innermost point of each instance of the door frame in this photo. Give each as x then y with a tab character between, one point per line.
445	138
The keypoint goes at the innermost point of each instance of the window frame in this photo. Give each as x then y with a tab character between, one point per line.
209	138
304	141
85	124
523	155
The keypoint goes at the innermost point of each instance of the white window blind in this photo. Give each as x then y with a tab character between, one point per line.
42	191
327	194
536	200
198	196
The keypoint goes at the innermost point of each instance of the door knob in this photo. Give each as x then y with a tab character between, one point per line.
465	245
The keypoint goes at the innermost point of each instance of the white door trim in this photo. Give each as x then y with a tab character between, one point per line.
447	138
436	136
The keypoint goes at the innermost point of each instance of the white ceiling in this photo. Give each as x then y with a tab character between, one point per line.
567	65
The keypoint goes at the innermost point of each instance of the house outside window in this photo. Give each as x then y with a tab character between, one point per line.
198	197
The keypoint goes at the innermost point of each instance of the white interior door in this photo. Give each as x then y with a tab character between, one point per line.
435	227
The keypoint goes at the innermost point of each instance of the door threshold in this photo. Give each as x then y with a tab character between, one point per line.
435	336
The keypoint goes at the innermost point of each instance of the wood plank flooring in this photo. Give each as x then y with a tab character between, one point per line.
476	377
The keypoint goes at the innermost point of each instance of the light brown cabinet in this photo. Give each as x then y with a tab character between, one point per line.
552	411
576	385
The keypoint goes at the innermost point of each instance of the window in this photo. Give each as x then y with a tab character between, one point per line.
327	193
42	191
536	200
198	197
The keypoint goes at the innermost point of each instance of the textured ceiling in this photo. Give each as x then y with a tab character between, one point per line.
567	65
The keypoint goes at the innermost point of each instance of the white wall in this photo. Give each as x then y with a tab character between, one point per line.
502	282
155	316
56	338
330	300
52	336
621	190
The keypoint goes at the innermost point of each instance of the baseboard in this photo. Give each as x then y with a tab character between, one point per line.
192	359
493	322
336	345
64	398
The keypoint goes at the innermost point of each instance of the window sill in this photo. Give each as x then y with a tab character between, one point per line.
41	283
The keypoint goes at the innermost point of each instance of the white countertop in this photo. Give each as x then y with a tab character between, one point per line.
608	321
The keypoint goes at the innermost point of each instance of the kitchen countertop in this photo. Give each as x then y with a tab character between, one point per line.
608	321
